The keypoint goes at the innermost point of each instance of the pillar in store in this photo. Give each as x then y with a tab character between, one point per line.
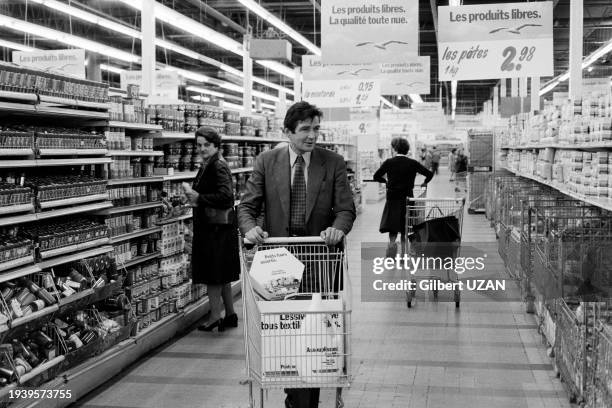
502	88
281	105
247	69
535	94
148	46
522	92
575	49
496	101
92	69
514	92
297	84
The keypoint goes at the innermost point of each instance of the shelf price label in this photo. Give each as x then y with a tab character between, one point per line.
342	93
490	41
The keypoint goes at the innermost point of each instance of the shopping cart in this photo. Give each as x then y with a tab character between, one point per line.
461	184
289	344
433	229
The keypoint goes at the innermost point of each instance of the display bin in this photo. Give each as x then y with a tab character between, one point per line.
599	390
480	148
78	356
576	348
477	183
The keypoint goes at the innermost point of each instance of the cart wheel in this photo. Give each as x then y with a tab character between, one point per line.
435	294
409	304
339	402
457	304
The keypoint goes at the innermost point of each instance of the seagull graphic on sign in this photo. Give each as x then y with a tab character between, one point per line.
515	30
382	46
410	85
355	73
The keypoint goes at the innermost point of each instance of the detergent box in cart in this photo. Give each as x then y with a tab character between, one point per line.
302	341
276	273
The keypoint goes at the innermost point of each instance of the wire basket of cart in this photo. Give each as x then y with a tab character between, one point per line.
299	339
433	231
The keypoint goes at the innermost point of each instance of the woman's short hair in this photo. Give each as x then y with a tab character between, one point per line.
400	145
299	112
210	135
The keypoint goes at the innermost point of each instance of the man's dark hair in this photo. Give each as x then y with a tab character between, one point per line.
453	151
299	112
210	135
400	145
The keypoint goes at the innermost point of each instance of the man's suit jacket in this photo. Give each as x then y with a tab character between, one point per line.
329	202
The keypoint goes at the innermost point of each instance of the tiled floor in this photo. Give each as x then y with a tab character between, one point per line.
485	354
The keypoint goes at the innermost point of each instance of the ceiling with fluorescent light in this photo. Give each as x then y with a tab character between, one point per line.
229	17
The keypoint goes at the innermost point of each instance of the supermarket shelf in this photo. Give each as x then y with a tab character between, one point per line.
135	153
16	152
95	371
581	146
74	257
5	266
242	170
9	164
21	96
45	215
72	152
134	234
67	211
139	180
174	135
135	207
33	316
604	203
35	110
329	143
73	200
75	102
72	248
141	259
134	126
73	298
12	209
19	273
174	219
41	369
181	176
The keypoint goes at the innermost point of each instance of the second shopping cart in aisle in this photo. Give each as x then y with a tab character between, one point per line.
433	233
303	339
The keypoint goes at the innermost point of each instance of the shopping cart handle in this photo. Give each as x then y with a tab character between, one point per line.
289	240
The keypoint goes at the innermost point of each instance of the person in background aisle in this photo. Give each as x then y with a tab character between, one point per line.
215	257
435	160
304	191
461	168
401	172
452	163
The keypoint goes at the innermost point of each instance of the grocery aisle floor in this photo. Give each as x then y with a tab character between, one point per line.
485	354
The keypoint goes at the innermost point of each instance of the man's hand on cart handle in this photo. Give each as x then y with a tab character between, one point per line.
332	236
256	235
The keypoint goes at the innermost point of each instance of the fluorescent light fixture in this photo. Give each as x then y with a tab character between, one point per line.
586	63
265	96
15	46
205	91
110	68
590	69
278	67
276	22
200	98
416	98
65	38
386	102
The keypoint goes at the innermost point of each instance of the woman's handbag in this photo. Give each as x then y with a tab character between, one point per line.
218	216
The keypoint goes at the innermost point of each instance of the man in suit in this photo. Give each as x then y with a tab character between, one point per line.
304	191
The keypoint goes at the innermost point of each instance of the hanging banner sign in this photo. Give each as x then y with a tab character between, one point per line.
400	78
490	41
314	69
166	83
362	31
408	77
342	93
65	62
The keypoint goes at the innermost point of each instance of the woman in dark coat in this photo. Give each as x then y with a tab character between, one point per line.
215	259
401	172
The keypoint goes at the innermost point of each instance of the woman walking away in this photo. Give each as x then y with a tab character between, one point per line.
215	259
401	172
